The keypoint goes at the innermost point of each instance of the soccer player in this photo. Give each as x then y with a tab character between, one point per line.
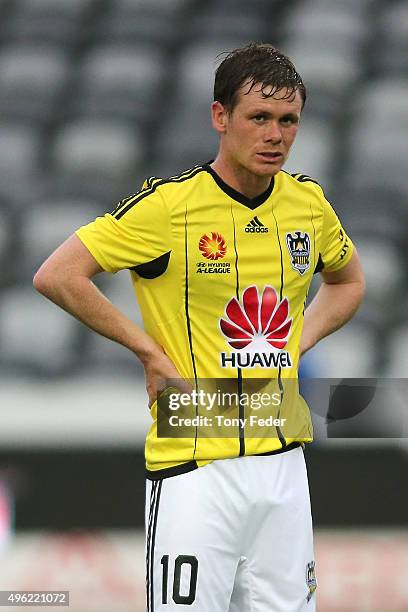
221	258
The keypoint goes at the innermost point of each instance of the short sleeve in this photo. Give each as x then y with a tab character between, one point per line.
336	247
136	232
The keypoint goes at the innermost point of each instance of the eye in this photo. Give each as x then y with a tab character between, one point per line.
259	118
289	120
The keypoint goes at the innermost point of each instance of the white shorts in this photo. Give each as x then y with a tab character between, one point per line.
233	536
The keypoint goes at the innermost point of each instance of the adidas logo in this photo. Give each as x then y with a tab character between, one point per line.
256	227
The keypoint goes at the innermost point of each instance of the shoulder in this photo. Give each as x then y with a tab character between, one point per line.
304	178
155	190
153	183
301	181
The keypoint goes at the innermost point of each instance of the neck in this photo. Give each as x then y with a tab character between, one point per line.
241	179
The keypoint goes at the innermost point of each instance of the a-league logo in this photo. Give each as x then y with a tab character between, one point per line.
298	244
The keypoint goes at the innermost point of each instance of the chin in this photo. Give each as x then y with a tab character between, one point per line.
266	170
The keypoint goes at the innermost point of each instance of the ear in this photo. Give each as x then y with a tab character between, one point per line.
219	117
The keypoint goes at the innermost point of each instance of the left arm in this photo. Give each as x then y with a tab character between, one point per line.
336	301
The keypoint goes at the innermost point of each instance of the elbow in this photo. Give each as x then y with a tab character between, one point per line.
363	287
39	282
360	292
359	277
43	282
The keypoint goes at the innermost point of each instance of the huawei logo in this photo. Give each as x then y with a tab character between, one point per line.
212	247
260	321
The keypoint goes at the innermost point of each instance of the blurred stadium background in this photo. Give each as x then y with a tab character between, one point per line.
95	95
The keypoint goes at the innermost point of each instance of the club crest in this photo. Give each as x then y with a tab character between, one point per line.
298	244
311	579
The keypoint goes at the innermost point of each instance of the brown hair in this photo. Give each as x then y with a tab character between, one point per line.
256	63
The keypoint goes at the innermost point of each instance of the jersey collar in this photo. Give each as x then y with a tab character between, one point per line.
251	203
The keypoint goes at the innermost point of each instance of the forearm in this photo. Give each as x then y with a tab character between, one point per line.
331	308
80	297
65	279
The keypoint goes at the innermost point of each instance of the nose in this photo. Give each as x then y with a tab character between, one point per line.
274	133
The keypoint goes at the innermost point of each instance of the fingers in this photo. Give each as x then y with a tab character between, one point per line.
161	375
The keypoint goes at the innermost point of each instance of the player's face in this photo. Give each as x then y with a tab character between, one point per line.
258	134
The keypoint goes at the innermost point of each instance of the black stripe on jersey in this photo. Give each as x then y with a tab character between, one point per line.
177	470
188	323
320	265
304	178
236	253
281	389
150	181
281	254
129	199
241	414
239	371
125	205
289	447
125	201
154	268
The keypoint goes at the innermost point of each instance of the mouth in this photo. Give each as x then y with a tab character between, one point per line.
271	156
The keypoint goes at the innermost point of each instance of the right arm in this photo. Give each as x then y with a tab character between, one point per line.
65	278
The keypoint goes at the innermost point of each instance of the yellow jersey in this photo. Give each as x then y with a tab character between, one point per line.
221	281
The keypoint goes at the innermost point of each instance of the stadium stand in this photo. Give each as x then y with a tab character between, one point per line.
121	81
97	94
20	150
154	22
48	21
100	354
392	57
31	79
46	226
95	156
36	338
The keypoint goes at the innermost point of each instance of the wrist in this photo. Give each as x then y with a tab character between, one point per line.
307	342
148	353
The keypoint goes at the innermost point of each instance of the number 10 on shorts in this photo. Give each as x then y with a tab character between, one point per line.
185	566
